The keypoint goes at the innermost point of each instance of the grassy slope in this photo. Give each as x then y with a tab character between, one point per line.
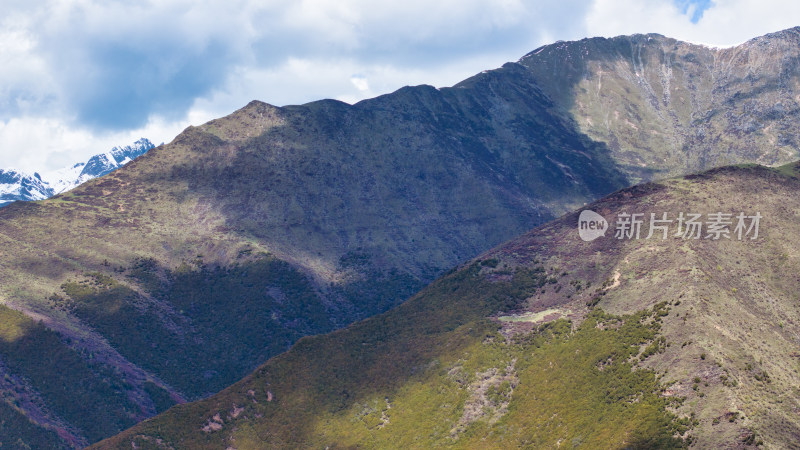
204	341
368	202
25	344
364	386
315	188
714	354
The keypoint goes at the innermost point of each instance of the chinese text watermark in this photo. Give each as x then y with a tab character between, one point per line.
712	226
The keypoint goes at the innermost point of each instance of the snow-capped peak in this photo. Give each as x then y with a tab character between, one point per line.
17	185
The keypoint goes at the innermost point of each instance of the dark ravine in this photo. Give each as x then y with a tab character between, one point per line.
303	219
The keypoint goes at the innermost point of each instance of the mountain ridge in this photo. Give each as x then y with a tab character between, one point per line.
484	331
694	96
182	272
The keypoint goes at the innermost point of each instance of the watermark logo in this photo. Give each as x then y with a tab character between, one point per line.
591	225
713	226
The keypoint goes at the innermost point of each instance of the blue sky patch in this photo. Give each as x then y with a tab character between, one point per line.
698	7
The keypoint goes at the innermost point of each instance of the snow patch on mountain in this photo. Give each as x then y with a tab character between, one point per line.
17	185
64	179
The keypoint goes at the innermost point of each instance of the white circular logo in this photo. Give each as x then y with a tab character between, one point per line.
591	225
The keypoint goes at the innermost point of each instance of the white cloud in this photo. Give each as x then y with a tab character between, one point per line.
25	84
725	23
44	144
80	76
360	82
735	21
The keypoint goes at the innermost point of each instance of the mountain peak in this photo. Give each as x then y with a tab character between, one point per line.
117	157
244	123
18	186
792	34
184	271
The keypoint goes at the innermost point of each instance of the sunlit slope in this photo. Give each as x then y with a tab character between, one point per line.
666	107
183	271
549	339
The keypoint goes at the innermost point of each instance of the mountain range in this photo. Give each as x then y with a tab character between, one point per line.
666	341
19	186
179	274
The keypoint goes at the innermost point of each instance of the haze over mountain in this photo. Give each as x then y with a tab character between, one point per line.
180	273
19	186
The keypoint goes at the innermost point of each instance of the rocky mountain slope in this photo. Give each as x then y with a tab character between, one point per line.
18	186
15	185
180	273
665	107
551	340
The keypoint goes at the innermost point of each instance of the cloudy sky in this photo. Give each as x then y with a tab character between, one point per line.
80	76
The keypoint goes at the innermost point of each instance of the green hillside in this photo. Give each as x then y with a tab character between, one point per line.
182	272
549	340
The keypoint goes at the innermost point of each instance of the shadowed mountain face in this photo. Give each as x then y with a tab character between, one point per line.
656	342
180	273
